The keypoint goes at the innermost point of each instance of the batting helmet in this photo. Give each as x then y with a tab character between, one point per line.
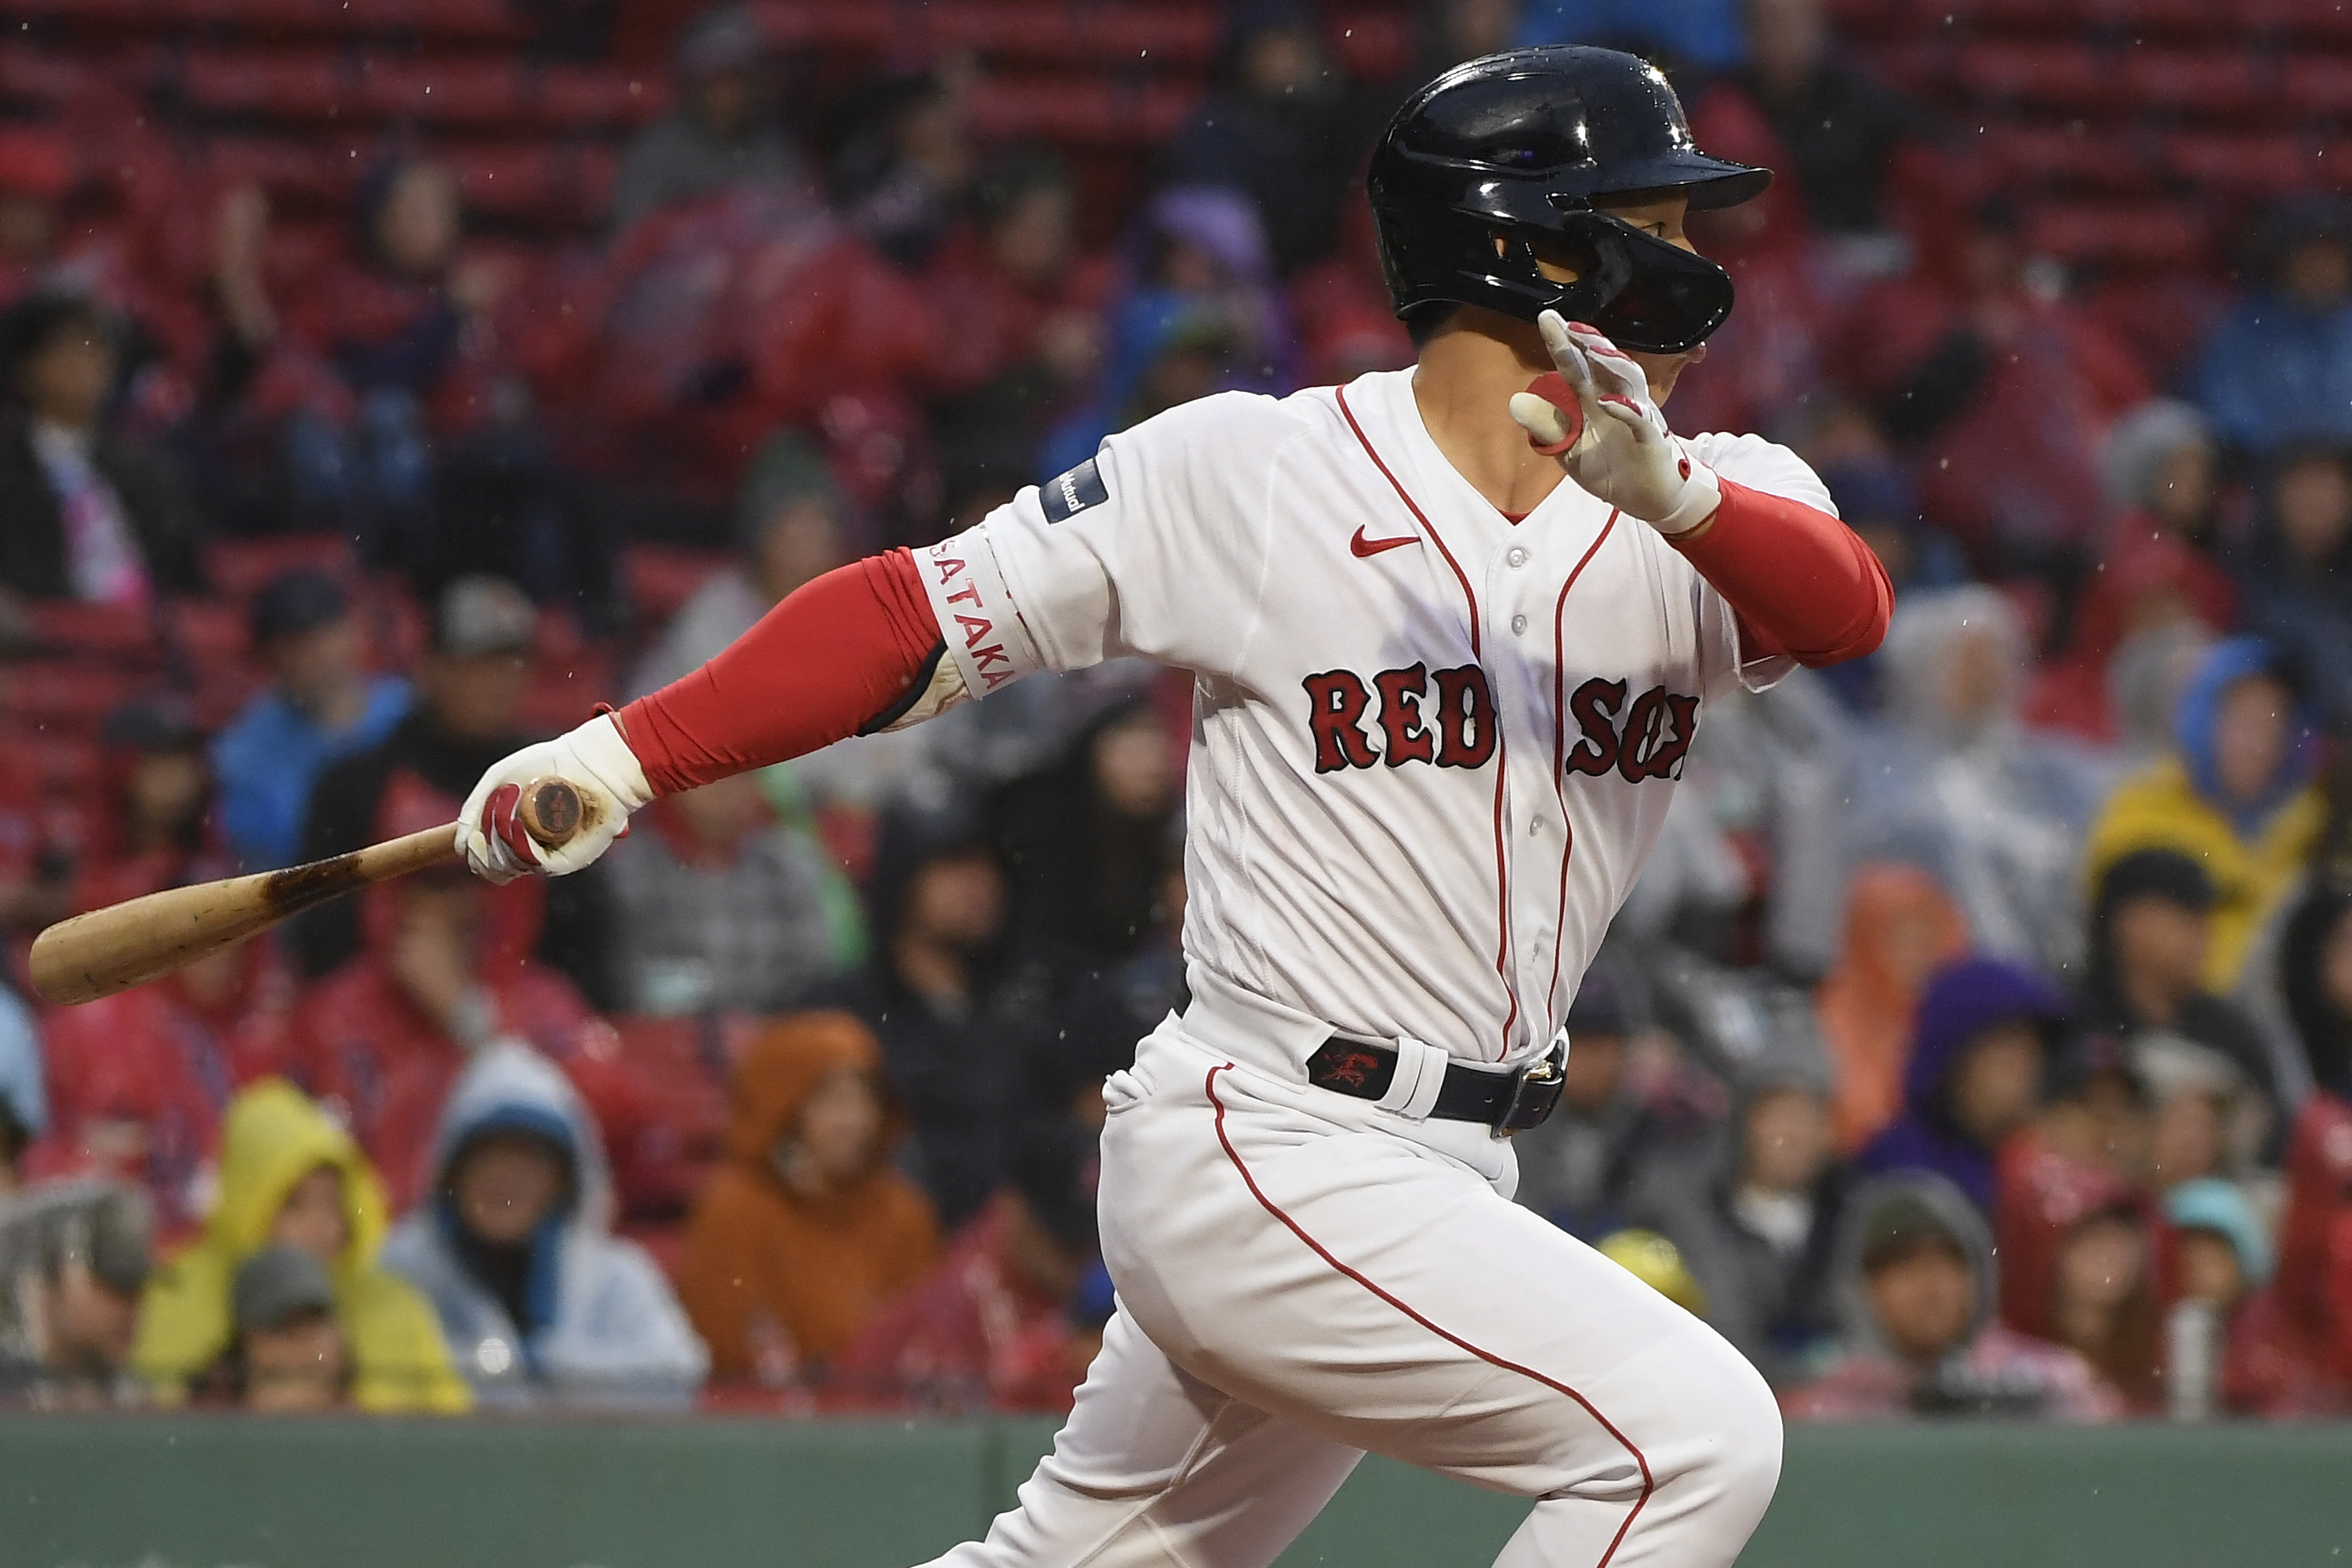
1519	146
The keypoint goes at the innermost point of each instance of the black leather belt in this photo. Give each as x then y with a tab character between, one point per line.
1506	1101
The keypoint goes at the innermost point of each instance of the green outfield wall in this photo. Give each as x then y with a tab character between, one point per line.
213	1492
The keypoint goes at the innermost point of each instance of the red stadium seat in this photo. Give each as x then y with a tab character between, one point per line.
1080	110
658	578
2254	164
2228	85
292	84
2071	76
2124	236
464	93
441	21
67	695
209	634
2075	158
2317	87
240	567
93	631
582	98
1162	35
2174	19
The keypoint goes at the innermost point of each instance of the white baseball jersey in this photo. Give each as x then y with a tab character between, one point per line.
1432	747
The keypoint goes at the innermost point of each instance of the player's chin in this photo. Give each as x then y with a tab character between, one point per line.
1662	370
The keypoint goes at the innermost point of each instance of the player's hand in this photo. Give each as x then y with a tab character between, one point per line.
592	759
1594	413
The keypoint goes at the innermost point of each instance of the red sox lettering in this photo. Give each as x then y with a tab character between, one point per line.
1455	726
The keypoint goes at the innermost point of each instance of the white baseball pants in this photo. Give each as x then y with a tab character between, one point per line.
1302	1278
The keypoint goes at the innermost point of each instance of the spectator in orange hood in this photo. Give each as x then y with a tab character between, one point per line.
805	1232
1900	928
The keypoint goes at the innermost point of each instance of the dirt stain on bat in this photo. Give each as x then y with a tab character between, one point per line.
299	888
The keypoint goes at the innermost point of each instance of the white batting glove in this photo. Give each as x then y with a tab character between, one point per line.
1596	416
592	759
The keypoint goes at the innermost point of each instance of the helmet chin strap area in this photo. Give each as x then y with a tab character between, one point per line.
1640	290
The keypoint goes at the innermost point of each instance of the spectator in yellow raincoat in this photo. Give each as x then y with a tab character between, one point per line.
2236	797
291	1176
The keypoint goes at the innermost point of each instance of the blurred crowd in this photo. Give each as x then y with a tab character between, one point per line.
1979	1039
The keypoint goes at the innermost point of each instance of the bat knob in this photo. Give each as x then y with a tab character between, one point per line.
552	812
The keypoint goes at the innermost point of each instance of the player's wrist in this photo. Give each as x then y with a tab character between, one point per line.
1693	506
603	748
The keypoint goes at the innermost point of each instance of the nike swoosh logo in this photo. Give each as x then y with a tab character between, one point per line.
1367	548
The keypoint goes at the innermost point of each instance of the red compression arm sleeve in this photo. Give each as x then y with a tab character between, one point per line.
1802	582
844	653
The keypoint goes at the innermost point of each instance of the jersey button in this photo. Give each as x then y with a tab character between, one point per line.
1518	557
1535	826
1519	622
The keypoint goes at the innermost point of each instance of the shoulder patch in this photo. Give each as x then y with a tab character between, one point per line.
1072	493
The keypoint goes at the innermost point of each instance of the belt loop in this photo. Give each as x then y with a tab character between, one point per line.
1420	1074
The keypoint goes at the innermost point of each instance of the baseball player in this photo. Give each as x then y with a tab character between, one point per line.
1453	630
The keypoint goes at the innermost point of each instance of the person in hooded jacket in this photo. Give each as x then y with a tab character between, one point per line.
805	1232
1954	781
1086	841
2238	796
540	1303
2078	1267
1974	1075
1754	1215
954	1018
291	1176
1900	927
1917	1284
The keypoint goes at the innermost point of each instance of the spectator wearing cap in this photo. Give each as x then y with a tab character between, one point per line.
23	1090
1916	1283
286	1354
1753	1210
1977	1047
954	1019
986	1329
805	1231
73	1260
323	705
2153	924
150	824
292	1176
722	132
541	1305
91	515
2279	367
469	691
2236	797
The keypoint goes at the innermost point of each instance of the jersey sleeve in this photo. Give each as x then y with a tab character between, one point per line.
1729	652
1154	547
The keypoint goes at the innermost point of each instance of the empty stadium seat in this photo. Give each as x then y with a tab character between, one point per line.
2073	158
289	84
579	97
2121	235
2066	76
658	578
2317	87
1083	110
474	94
240	567
2254	164
67	695
2210	84
93	631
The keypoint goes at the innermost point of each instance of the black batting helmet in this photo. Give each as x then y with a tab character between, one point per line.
1520	145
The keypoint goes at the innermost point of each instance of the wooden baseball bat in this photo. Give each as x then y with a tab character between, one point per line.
126	944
